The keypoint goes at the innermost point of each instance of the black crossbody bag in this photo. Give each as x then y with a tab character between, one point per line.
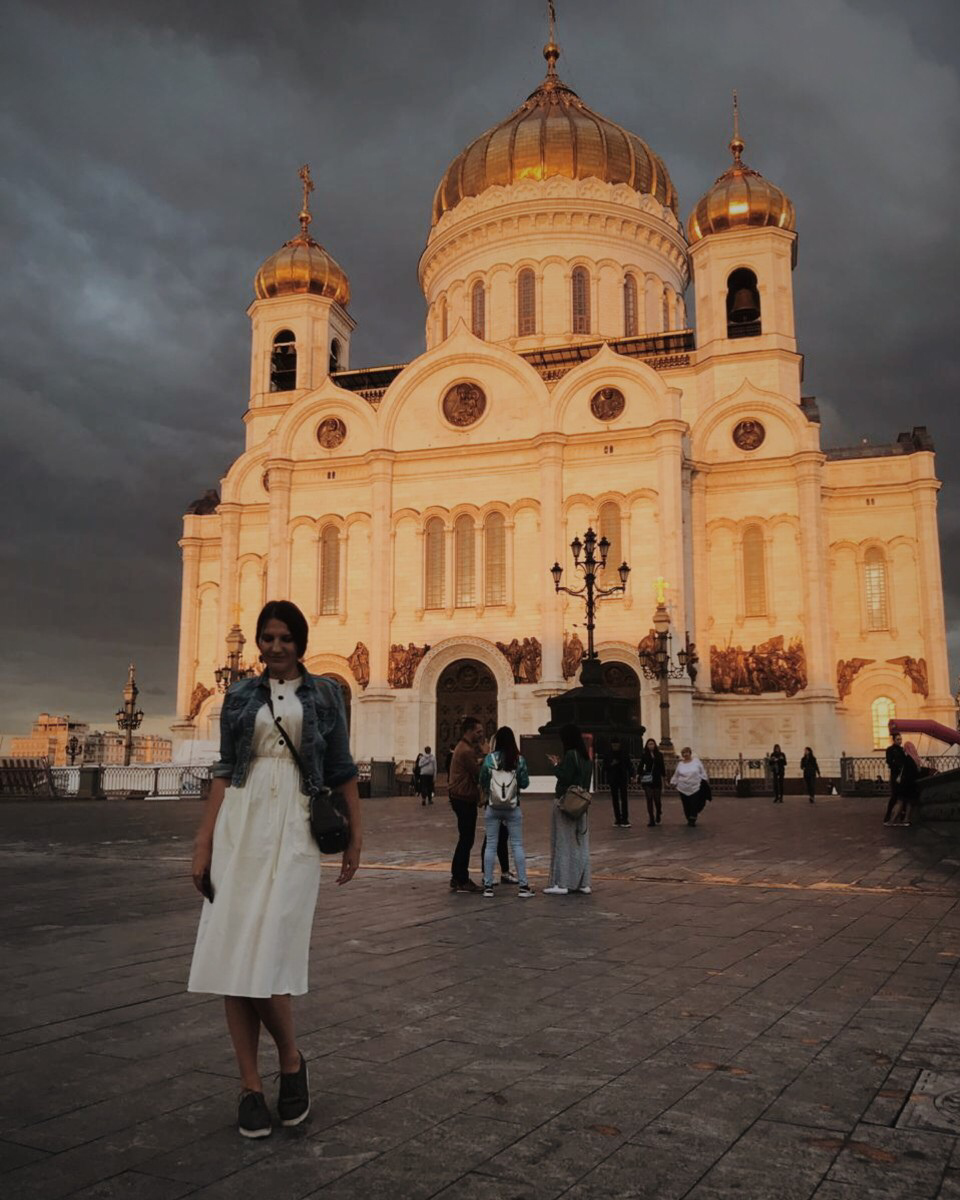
329	814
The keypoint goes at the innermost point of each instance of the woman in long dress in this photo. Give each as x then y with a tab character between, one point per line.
256	863
569	839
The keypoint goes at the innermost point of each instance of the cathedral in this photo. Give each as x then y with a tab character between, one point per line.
415	511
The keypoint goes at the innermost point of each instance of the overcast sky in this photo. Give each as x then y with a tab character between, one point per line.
148	155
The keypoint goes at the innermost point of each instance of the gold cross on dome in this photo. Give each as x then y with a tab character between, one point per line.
661	585
308	186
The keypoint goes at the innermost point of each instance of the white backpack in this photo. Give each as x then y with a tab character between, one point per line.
504	792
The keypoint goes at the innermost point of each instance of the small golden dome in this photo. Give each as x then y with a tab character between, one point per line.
302	265
553	133
740	198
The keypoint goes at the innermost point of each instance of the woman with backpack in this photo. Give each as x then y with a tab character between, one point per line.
570	836
503	775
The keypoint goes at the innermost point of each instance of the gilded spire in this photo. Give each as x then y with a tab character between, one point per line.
551	51
736	142
308	185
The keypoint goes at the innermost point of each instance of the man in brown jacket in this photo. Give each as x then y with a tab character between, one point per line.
464	791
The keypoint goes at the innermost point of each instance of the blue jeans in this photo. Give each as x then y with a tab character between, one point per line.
513	819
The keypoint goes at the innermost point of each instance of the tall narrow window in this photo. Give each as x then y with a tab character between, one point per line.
443	320
581	300
335	355
666	310
329	570
630	323
434	565
882	712
875	582
609	524
526	303
283	362
466	563
754	575
478	310
494	560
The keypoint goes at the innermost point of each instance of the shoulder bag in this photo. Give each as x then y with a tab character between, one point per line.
329	814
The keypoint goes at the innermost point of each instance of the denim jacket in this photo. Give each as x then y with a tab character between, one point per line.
324	744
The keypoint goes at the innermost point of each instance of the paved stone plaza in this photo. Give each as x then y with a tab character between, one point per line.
763	1006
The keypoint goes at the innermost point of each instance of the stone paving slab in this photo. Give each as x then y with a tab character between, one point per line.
743	1009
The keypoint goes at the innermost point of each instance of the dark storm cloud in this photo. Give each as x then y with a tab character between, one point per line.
149	153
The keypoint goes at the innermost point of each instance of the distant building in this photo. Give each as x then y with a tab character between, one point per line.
50	737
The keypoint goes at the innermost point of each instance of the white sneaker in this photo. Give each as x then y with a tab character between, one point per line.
555	891
585	891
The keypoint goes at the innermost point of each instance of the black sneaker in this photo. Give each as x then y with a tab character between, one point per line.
468	886
524	891
253	1116
293	1102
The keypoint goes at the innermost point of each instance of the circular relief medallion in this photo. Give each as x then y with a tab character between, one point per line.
607	404
464	404
748	435
331	433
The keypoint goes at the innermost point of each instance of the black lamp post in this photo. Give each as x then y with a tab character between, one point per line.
656	662
129	717
73	748
594	560
234	668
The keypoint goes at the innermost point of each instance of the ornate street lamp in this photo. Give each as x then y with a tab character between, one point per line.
73	748
234	668
129	717
656	661
594	560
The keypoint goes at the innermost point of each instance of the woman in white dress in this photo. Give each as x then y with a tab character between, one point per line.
256	862
689	778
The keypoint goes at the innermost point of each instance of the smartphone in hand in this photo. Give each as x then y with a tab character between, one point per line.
206	886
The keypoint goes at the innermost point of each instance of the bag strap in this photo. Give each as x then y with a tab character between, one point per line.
287	739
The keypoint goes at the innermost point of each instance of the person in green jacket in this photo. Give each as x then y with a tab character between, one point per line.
569	839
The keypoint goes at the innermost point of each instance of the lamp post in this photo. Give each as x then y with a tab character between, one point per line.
73	748
594	560
129	717
656	663
234	668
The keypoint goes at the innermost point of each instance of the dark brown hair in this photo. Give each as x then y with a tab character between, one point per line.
505	742
287	612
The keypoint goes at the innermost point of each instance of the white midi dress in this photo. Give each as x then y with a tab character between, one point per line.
254	939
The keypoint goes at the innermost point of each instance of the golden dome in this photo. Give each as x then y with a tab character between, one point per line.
740	198
553	133
302	265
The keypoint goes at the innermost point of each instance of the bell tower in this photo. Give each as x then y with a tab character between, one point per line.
743	248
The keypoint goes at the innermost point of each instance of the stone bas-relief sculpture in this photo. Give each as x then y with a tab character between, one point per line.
331	433
847	671
197	697
403	664
525	659
464	404
749	435
572	655
359	662
206	505
769	667
915	670
607	404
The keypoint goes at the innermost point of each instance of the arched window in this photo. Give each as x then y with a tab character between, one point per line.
608	522
667	306
464	537
478	310
434	565
754	574
580	284
526	303
494	560
631	325
882	712
743	304
444	331
329	570
875	586
283	362
335	355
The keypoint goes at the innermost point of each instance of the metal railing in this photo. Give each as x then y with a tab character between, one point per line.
146	781
866	774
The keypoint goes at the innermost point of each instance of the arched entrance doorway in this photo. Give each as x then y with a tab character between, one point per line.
623	680
344	692
466	688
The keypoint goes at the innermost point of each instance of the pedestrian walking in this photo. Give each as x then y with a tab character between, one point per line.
896	757
503	776
256	864
810	769
910	772
464	793
569	837
652	771
690	780
619	771
425	769
778	768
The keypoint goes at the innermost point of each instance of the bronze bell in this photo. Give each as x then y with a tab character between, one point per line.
745	306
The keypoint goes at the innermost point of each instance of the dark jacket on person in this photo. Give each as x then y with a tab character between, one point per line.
572	769
896	756
324	742
809	765
651	763
778	763
617	766
907	778
464	773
